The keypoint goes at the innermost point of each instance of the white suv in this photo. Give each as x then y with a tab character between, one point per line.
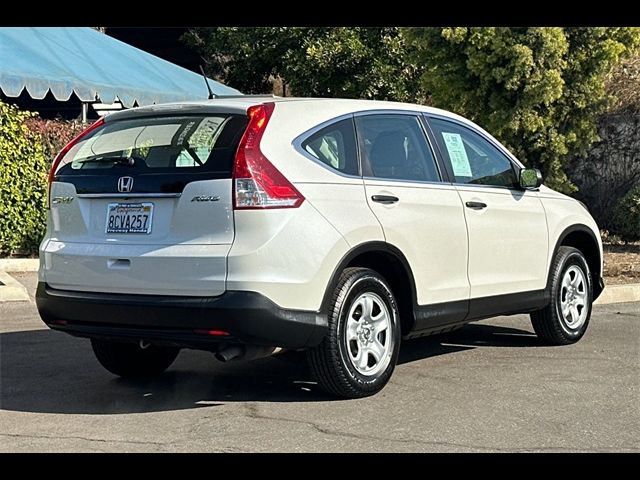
241	225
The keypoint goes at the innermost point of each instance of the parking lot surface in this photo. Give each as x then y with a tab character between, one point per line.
489	386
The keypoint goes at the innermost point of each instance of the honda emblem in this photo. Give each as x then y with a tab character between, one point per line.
125	184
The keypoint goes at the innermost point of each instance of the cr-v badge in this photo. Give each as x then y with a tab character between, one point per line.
125	184
205	198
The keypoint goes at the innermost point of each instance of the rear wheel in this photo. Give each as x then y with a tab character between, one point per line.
129	360
359	354
565	319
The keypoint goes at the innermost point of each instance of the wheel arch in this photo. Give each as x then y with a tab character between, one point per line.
582	237
389	262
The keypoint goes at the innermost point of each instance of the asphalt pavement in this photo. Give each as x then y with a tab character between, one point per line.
489	386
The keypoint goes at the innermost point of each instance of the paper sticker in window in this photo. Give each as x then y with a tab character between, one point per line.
457	154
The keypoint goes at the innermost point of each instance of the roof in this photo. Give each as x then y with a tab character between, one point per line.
93	66
332	107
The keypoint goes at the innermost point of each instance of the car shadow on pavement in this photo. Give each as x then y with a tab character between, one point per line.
470	336
50	372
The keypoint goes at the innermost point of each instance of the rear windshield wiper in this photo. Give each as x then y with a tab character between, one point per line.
128	161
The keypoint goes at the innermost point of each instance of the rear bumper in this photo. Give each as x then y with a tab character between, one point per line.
248	317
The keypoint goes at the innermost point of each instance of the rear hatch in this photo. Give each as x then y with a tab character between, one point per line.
144	206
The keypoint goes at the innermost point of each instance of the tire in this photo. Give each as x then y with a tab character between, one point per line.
359	353
570	284
128	360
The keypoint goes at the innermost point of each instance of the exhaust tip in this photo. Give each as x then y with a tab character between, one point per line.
218	356
244	352
229	353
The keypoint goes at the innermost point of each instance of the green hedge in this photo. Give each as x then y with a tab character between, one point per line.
23	183
626	216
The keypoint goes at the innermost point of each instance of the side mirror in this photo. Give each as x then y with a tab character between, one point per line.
530	178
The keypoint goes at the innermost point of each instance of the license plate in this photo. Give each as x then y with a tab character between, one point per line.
129	218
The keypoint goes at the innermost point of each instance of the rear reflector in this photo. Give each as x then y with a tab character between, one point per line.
215	333
257	183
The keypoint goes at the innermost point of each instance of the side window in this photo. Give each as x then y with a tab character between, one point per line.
473	159
395	147
335	146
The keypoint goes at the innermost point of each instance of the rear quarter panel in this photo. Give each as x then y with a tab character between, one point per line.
288	255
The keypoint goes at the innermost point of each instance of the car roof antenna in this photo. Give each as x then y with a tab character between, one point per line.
206	81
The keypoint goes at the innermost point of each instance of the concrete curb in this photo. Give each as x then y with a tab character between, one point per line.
11	290
629	292
19	264
619	294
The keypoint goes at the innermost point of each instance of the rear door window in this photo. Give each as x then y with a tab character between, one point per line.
395	147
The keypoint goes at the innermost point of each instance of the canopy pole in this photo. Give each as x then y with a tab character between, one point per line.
85	112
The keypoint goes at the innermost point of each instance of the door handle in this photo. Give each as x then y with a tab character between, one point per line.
385	199
476	205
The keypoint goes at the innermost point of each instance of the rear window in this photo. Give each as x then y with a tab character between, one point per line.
158	145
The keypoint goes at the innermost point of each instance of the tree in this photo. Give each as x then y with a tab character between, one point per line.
359	62
538	90
623	84
246	58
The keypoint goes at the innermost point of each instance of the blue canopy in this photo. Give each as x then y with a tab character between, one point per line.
94	66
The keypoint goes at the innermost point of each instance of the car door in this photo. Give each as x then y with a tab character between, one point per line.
420	214
508	241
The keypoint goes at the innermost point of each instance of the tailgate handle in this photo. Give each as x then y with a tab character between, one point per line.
119	263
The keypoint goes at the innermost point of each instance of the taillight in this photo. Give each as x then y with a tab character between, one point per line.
256	182
63	152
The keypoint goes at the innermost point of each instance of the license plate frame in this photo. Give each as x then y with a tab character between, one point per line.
128	218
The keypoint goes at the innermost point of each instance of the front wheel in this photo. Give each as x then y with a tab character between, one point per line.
358	355
565	319
129	360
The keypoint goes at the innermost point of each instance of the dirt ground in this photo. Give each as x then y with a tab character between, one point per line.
621	263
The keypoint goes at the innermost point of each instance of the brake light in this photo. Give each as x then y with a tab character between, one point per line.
256	182
65	150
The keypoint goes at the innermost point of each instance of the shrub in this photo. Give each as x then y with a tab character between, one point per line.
626	216
28	144
54	134
23	183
